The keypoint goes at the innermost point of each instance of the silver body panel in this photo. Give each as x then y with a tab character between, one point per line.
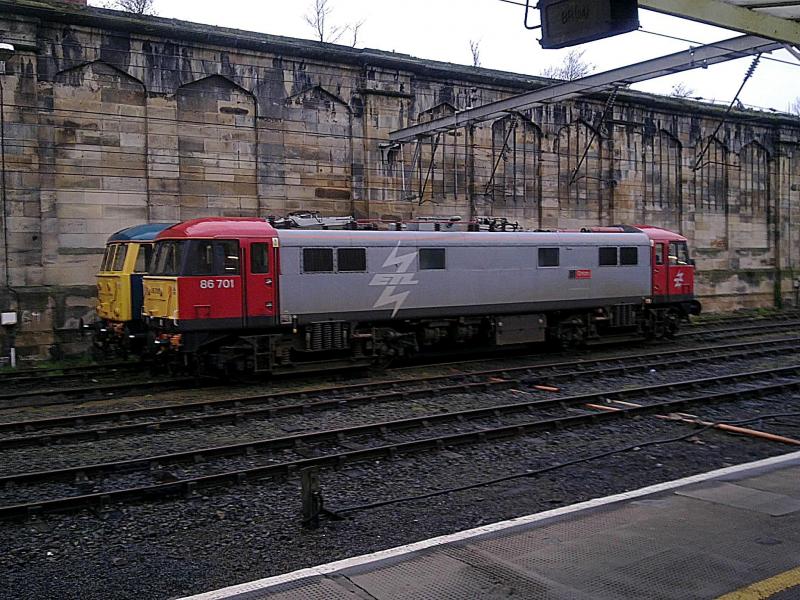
486	273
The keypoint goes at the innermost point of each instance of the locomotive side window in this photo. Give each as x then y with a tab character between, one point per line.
230	256
629	256
607	256
213	257
548	257
351	259
659	254
119	259
678	253
318	260
431	259
143	258
259	262
201	258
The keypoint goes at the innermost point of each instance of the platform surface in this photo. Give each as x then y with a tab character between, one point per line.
731	534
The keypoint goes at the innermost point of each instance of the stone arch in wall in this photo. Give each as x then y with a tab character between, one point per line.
754	179
217	149
578	150
661	201
98	171
753	210
318	152
711	178
711	185
516	182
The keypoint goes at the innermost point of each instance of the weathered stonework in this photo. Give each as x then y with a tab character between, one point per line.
114	119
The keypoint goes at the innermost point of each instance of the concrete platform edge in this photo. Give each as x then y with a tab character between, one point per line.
232	592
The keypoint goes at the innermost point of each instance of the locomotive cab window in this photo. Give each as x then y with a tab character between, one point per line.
108	257
548	257
317	260
143	258
228	252
259	261
629	255
351	260
607	256
201	258
213	257
168	258
119	258
431	259
679	254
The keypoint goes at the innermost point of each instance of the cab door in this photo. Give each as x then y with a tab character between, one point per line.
659	266
681	271
261	283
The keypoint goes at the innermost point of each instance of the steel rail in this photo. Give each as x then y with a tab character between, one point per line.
44	373
81	472
55	395
12	399
711	329
583	367
189	486
241	415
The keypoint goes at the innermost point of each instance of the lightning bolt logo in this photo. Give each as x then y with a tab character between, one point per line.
390	281
388	297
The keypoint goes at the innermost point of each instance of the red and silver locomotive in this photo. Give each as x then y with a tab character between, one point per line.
236	294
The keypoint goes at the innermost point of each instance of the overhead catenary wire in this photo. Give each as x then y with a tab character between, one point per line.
751	69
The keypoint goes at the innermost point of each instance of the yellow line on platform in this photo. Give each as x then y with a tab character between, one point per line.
766	587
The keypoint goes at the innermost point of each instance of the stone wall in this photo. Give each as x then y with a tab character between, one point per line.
114	119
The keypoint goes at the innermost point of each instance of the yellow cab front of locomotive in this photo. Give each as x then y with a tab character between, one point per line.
114	282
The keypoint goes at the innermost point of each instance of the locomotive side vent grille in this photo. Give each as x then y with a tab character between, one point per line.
623	315
330	335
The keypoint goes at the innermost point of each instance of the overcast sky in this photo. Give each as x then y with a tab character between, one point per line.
442	29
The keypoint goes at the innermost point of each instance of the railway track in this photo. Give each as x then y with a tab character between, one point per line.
713	329
234	410
55	373
325	448
57	394
60	395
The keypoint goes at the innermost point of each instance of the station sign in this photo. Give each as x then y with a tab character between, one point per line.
572	22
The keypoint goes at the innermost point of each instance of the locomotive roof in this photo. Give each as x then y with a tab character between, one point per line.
457	238
661	234
243	227
227	227
139	233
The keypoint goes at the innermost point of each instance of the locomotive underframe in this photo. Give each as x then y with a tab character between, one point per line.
320	345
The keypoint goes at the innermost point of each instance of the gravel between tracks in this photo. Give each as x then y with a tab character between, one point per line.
171	548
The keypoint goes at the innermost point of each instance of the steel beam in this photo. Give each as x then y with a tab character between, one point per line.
693	58
729	16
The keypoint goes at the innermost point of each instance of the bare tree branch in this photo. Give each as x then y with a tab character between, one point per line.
681	90
573	67
794	107
317	19
139	7
354	29
475	49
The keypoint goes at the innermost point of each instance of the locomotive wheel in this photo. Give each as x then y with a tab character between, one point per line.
571	336
672	324
382	362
